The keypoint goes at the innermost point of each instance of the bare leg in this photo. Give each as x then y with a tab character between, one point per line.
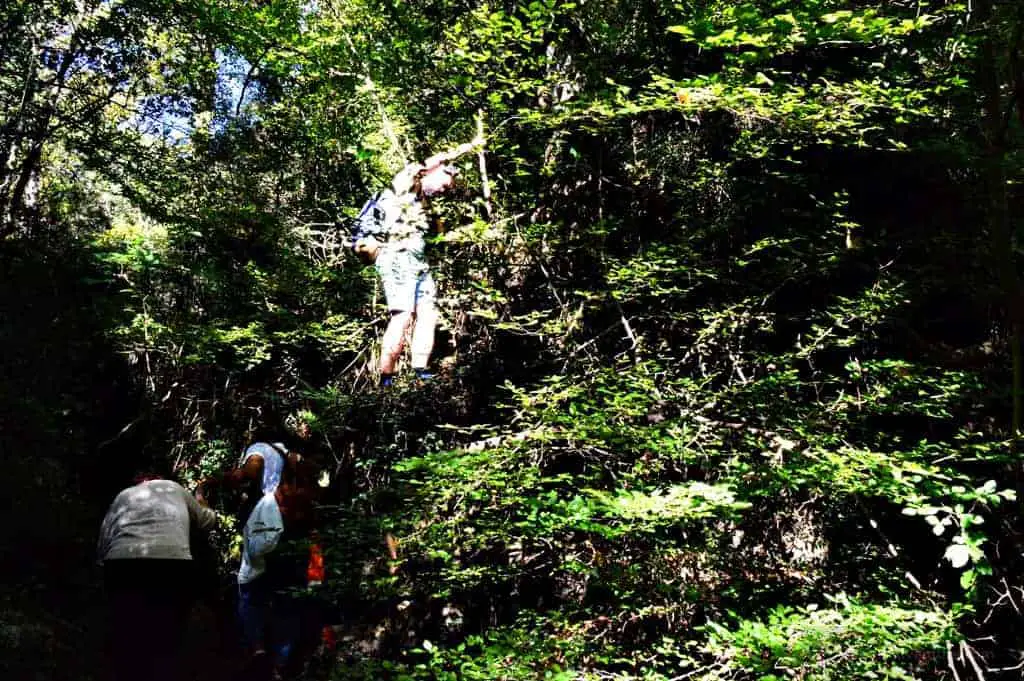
394	340
422	342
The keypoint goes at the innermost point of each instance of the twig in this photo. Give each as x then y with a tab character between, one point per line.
485	186
625	324
951	662
590	342
389	130
1009	595
718	665
353	362
1007	669
248	79
965	649
120	433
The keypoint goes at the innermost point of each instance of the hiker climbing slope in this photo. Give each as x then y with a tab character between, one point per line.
258	472
390	232
274	564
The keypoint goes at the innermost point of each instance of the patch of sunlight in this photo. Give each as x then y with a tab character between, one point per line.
690	500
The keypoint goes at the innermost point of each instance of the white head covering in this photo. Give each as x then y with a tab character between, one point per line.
406	177
438	178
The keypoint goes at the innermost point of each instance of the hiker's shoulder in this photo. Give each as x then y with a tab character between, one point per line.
264	449
163	485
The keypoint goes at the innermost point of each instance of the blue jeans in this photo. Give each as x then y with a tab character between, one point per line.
270	619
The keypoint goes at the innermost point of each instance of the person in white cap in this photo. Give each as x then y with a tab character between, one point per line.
390	233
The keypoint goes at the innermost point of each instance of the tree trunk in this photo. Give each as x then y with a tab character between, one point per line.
1000	228
22	201
11	137
18	204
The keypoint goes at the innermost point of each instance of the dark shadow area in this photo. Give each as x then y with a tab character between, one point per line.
71	431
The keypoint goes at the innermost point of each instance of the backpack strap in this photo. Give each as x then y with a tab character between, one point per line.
369	222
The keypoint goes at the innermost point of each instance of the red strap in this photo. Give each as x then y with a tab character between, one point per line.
315	568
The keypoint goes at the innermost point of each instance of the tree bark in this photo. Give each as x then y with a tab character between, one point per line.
995	130
35	133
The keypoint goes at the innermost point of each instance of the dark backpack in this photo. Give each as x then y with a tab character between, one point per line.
369	222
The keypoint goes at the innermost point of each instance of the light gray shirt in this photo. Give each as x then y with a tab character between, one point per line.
152	520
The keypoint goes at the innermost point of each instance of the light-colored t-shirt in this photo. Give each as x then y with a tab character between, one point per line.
399	221
152	520
260	536
273	463
404	216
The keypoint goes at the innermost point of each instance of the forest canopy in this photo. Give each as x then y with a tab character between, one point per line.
728	374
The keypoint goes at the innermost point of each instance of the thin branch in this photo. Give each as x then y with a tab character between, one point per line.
248	78
120	433
389	130
485	186
951	662
969	652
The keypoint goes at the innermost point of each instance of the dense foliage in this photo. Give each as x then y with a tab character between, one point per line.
730	378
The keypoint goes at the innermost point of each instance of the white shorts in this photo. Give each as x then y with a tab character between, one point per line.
406	279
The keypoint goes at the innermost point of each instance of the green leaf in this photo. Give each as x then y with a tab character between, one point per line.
958	555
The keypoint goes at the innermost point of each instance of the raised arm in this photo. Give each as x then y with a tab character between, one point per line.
452	154
199	512
251	470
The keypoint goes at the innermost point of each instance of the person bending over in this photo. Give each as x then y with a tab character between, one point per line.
148	571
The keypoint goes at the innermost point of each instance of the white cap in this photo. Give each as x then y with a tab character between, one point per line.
405	178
